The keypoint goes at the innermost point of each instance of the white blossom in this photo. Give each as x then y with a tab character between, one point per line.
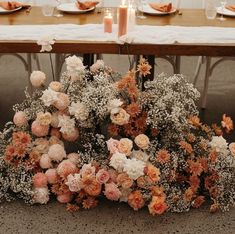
134	168
45	43
49	97
113	104
73	182
79	110
66	124
219	144
117	161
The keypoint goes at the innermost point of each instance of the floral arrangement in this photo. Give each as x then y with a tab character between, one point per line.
96	133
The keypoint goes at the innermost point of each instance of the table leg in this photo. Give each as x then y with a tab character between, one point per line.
88	59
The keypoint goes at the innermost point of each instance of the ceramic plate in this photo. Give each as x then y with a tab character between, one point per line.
3	11
149	10
225	12
72	8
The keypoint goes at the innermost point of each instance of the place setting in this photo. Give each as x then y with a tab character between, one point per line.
8	7
78	7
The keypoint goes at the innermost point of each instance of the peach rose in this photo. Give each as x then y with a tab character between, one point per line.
112	145
119	116
157	206
55	140
136	200
56	153
39	130
142	141
65	168
41	145
45	161
91	186
62	102
72	136
232	148
65	197
39	180
55	120
55	85
113	175
153	173
124	180
87	170
52	176
56	132
74	158
44	118
125	146
112	192
102	176
20	119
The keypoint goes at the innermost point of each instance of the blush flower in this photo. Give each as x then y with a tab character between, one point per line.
41	195
153	173
20	119
56	86
65	197
102	176
74	158
71	136
98	65
39	180
124	181
39	130
65	168
62	101
119	116
74	182
37	78
232	148
112	192
56	153
52	176
43	118
45	161
91	186
142	141
112	145
87	170
125	146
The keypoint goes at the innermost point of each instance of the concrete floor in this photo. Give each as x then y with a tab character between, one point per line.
16	217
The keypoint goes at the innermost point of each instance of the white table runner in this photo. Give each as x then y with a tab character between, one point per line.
141	34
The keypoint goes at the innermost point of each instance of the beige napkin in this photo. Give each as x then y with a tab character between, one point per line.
230	7
86	5
12	5
161	7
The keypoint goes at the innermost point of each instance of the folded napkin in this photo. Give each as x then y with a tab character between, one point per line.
12	5
161	7
230	7
85	5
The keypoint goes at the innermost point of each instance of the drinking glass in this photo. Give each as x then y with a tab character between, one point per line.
47	9
57	13
140	8
210	9
223	3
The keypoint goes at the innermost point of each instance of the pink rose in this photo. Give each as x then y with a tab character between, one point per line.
52	176
72	136
125	146
112	192
39	130
65	168
113	175
65	197
112	145
20	119
45	161
74	158
56	132
102	176
39	180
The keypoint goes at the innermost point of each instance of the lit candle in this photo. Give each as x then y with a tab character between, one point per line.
122	20
108	23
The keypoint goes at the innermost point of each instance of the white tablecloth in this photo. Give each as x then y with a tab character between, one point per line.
140	34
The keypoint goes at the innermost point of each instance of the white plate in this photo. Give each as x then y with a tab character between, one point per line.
72	8
3	11
225	12
149	10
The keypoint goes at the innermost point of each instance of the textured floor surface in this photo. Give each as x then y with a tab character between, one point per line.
16	217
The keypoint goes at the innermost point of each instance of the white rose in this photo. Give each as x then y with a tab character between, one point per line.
37	78
117	161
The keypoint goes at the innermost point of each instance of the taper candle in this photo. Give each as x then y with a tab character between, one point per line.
122	20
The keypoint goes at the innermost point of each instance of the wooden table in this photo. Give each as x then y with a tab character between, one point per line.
189	17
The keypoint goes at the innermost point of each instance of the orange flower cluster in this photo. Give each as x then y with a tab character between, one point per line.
186	147
227	123
136	200
143	67
157	206
194	121
195	168
163	156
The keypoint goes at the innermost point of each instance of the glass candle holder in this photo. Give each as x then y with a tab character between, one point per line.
108	20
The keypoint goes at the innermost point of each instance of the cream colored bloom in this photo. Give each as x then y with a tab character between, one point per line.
119	116
44	118
125	146
142	141
232	148
55	85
